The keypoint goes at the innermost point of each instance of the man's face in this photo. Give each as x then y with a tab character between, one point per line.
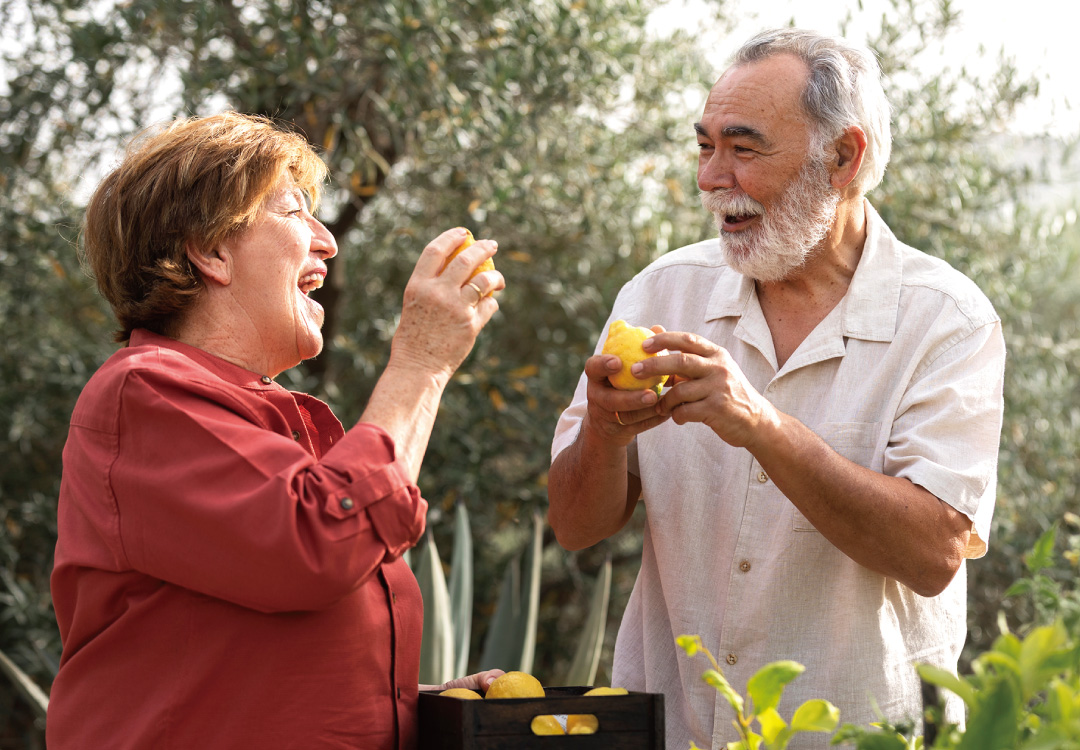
772	199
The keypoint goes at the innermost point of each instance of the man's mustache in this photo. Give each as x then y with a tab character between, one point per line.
730	202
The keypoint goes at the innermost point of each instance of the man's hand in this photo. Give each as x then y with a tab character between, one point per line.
613	415
707	386
887	524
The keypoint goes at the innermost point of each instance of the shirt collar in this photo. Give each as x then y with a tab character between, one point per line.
871	305
224	369
872	302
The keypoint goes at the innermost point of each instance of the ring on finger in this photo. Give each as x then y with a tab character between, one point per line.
618	419
479	294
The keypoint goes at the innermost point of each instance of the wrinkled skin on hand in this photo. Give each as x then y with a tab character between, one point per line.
708	387
441	316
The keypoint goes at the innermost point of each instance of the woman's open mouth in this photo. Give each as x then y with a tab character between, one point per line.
311	282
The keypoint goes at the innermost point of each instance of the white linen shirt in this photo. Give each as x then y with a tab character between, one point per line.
904	377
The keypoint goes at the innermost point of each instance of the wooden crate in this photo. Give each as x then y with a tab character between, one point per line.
627	722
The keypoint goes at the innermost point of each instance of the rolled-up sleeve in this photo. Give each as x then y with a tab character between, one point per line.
946	434
209	499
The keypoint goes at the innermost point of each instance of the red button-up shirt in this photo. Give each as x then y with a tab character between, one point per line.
228	568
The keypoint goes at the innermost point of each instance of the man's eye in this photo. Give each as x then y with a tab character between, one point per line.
704	146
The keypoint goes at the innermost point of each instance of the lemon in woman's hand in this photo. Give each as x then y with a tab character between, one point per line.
465	693
515	685
624	341
487	265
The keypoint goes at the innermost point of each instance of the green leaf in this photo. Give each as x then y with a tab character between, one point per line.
437	642
510	643
1044	653
530	604
591	642
949	681
691	644
461	589
502	648
771	724
718	681
767	685
1042	554
29	689
815	715
992	722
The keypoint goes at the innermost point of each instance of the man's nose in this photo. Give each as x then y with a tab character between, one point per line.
715	173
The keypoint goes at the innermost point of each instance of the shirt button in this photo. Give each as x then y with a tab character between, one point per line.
744	566
732	658
266	380
399	693
393	598
762	477
347	503
295	435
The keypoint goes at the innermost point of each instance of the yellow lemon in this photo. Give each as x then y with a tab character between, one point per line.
581	724
516	685
487	265
465	693
624	341
607	691
546	725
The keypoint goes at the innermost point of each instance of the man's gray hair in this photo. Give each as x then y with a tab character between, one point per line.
844	89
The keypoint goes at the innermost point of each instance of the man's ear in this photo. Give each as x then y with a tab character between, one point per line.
214	263
850	150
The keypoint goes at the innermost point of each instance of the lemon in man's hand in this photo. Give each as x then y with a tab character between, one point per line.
515	685
624	341
465	693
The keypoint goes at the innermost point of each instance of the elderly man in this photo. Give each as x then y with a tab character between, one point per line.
825	461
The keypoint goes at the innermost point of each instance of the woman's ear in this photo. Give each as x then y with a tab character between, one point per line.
213	263
850	150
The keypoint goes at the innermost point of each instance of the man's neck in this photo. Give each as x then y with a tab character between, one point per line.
832	262
794	307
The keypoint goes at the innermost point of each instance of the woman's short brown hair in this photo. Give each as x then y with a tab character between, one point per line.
196	180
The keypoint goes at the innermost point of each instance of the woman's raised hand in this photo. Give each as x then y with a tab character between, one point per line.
445	308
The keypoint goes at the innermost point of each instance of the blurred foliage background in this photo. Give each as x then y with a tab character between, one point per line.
561	128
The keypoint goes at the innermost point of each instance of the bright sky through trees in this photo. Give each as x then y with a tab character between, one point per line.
1039	35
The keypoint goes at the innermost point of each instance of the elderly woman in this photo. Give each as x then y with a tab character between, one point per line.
228	570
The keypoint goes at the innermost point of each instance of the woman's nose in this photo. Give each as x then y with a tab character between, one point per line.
322	241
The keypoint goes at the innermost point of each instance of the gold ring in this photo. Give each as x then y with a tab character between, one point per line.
617	419
479	294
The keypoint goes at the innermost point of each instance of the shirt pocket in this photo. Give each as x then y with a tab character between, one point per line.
855	441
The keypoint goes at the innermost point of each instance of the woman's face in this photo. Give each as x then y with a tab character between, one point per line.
277	262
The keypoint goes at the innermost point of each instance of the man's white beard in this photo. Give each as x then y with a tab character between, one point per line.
784	239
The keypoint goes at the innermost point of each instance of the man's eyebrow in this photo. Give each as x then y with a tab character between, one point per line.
736	131
742	131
